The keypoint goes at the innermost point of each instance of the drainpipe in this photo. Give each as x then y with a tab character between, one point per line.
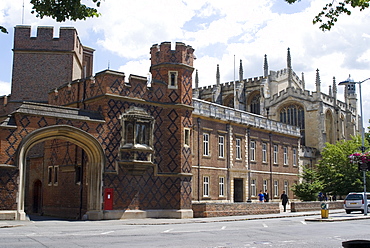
270	162
81	181
249	166
199	151
228	152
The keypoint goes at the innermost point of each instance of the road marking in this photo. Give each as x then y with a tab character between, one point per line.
169	230
264	225
107	232
303	222
223	228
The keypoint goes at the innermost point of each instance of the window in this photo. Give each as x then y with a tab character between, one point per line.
275	154
137	127
253	150
285	155
264	185
129	133
238	149
56	172
276	188
294	115
142	133
294	156
264	152
136	148
221	146
205	144
255	104
221	185
172	79
253	187
286	187
50	175
187	137
205	186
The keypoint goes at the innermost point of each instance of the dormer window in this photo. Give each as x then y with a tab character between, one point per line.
172	79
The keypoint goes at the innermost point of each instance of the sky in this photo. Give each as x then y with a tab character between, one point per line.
220	31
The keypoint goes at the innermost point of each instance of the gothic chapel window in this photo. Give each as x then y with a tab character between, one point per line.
255	104
294	115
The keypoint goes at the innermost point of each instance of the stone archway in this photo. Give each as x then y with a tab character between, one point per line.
87	142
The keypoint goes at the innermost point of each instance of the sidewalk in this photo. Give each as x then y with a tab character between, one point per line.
334	215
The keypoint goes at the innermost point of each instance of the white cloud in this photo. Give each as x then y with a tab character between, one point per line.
217	30
4	88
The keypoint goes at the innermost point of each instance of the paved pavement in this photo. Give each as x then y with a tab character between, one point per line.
334	215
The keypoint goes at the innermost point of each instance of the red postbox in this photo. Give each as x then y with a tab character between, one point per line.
108	199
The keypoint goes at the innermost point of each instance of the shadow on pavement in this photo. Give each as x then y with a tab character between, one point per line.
35	217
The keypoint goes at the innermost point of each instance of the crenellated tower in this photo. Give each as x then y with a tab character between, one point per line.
43	63
172	87
173	70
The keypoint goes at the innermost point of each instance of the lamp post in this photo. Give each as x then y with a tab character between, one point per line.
350	81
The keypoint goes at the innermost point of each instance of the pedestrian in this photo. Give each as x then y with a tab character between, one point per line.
320	196
284	200
261	196
266	196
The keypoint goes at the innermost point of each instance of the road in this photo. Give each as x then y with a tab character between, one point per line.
280	232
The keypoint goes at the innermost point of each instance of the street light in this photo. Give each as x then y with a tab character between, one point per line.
348	82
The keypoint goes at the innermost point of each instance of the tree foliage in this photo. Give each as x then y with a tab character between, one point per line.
332	10
62	10
337	173
310	186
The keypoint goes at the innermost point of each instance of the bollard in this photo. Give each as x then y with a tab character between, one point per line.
324	210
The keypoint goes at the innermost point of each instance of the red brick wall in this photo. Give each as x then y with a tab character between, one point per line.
43	63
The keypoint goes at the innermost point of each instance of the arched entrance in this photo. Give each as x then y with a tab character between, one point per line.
93	151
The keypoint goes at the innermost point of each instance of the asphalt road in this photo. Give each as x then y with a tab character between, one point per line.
275	232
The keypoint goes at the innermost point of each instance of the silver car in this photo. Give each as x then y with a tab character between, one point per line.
355	202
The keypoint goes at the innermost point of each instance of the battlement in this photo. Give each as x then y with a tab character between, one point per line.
228	85
44	40
163	53
299	93
282	74
43	62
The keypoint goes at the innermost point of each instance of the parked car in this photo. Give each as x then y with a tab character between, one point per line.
355	202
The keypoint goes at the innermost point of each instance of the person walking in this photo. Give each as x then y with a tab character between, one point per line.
284	200
261	196
266	196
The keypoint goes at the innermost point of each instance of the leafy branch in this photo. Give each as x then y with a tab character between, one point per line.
62	10
331	12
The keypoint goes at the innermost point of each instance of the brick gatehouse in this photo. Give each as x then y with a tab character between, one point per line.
108	146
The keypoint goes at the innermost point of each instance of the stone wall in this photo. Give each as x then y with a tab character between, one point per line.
202	210
314	205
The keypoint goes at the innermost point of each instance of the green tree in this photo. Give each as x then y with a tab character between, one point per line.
62	10
332	10
338	174
310	187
